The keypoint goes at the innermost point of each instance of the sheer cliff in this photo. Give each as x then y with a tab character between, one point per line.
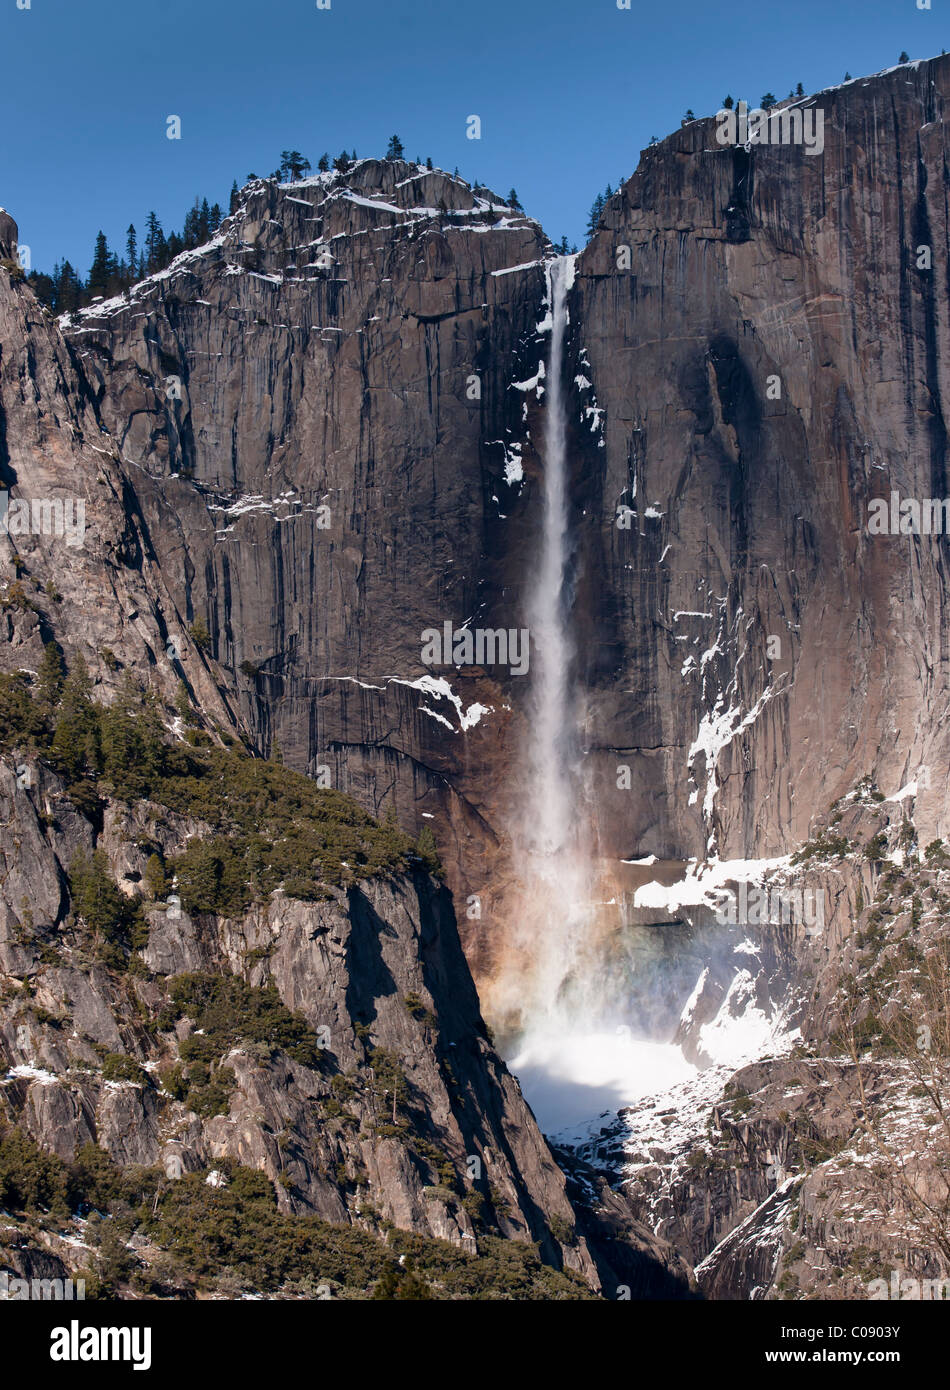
315	438
774	357
330	415
207	958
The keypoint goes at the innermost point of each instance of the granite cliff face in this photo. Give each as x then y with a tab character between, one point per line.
336	475
376	971
347	966
316	437
754	355
772	359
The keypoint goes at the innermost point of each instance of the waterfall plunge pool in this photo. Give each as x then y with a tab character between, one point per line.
570	1077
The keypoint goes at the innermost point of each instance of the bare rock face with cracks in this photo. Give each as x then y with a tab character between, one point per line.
320	437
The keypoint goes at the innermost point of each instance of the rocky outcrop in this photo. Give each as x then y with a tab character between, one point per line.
376	971
78	559
768	352
816	1172
318	415
8	235
342	965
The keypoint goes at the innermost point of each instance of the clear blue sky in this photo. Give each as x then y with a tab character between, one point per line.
568	91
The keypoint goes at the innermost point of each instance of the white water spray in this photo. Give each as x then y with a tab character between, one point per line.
558	857
551	840
573	1053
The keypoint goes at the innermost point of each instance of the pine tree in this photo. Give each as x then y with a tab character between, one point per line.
342	162
904	58
427	851
596	208
196	229
323	163
199	634
131	251
103	270
43	286
235	198
768	101
95	897
428	161
155	246
50	676
514	201
394	150
293	165
75	745
183	702
190	235
69	290
132	740
397	1285
217	216
156	883
727	103
799	90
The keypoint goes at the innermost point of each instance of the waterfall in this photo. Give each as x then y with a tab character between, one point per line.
550	839
554	840
561	996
